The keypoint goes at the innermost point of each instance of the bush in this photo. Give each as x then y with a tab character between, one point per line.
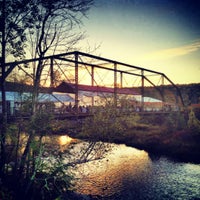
107	122
193	123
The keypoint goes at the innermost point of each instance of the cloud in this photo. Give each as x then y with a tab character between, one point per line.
173	52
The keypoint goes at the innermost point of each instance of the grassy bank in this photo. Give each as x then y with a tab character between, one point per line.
180	145
176	136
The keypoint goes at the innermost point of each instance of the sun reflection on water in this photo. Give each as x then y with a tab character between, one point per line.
108	176
64	140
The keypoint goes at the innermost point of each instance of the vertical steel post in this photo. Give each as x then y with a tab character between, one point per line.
115	84
92	82
121	79
76	81
142	90
162	90
51	73
177	101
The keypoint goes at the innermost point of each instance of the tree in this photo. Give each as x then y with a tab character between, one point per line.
16	17
45	24
54	19
55	31
14	21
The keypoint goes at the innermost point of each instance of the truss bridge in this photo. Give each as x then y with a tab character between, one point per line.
89	80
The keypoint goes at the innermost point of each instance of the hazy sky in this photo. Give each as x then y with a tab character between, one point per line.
162	35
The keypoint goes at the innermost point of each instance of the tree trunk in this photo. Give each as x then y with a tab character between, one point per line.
3	93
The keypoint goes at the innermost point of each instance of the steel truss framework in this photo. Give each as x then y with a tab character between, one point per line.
73	65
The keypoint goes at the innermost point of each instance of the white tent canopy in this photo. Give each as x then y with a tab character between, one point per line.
43	97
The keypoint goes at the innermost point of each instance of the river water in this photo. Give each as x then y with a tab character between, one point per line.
128	173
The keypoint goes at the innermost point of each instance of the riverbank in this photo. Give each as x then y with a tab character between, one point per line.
179	145
176	136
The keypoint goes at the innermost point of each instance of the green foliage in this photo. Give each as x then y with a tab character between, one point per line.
107	122
41	123
47	183
12	133
39	168
53	184
103	122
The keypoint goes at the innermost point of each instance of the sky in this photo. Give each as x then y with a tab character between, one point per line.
161	35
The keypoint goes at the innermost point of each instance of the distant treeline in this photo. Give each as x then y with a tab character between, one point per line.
190	92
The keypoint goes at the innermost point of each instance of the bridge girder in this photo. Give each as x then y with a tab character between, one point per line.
94	63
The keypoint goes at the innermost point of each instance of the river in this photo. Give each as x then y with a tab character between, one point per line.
128	173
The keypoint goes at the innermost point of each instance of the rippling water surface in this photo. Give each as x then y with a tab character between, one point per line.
128	173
